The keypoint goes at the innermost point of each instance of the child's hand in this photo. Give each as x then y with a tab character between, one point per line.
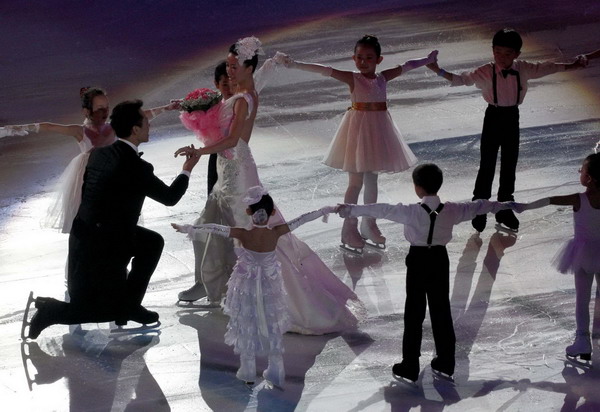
518	207
433	66
344	210
182	228
432	57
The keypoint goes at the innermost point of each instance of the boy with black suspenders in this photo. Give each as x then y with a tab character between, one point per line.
503	84
428	227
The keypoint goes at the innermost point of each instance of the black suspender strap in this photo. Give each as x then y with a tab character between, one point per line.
519	88
432	216
494	84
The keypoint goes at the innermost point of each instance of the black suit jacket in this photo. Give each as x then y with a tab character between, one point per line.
115	184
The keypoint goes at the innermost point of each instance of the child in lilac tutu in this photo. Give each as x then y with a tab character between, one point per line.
255	300
580	254
367	141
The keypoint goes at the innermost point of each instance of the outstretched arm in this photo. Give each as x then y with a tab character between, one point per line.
212	228
302	219
155	111
567	200
341	75
440	72
74	130
390	74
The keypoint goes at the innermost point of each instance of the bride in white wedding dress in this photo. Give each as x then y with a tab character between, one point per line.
318	301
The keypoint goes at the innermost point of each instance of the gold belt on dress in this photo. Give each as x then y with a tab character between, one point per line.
369	106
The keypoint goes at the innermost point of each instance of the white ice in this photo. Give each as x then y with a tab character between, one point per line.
513	313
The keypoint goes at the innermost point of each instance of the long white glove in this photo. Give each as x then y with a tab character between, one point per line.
19	130
414	64
310	216
521	207
194	231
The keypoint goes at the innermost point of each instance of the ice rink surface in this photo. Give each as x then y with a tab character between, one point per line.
513	312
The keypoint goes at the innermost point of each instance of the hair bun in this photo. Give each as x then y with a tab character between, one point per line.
83	90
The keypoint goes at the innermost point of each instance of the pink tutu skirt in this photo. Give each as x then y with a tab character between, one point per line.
578	255
368	141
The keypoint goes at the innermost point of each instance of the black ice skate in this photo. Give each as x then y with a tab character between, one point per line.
507	221
406	372
147	318
580	351
479	223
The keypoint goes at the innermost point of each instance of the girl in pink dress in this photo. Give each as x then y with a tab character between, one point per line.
95	132
579	255
367	141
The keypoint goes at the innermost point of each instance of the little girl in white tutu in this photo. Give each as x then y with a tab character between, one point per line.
580	255
367	141
256	297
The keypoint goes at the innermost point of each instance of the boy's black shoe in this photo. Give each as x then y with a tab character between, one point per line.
407	370
479	222
445	367
508	219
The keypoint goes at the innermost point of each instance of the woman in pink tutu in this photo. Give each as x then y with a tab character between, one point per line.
580	254
95	132
367	141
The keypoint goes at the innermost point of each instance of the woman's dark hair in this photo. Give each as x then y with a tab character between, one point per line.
87	95
369	41
429	176
265	202
250	62
125	115
593	164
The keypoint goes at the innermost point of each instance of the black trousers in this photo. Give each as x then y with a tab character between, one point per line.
100	288
500	133
212	176
428	282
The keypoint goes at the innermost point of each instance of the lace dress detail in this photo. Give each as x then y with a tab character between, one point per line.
256	304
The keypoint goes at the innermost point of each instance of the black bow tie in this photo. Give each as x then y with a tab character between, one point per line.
506	72
140	154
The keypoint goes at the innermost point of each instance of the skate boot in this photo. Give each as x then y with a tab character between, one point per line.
275	372
443	369
408	370
247	370
42	318
479	222
582	347
192	294
351	239
506	220
371	234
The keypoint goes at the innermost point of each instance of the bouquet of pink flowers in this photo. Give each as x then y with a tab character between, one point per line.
200	114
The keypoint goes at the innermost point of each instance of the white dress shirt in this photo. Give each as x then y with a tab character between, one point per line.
416	220
506	87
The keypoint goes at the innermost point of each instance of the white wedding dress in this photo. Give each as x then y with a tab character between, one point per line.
317	300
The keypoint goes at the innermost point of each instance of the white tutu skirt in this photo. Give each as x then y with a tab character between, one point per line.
576	255
368	141
67	197
256	304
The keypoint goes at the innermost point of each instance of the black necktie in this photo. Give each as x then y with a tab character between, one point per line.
506	72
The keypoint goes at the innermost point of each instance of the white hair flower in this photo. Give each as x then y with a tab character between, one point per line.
254	194
247	47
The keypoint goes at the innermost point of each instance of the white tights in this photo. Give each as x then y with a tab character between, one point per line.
583	292
355	185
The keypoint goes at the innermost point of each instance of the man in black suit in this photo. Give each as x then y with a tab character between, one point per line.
105	236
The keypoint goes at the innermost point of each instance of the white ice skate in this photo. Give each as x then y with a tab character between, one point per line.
192	294
351	239
581	348
371	233
275	372
26	322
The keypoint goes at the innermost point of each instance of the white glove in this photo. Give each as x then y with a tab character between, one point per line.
520	207
583	60
212	228
310	216
344	210
281	58
19	130
413	64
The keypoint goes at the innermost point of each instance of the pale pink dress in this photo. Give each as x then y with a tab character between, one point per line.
369	141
